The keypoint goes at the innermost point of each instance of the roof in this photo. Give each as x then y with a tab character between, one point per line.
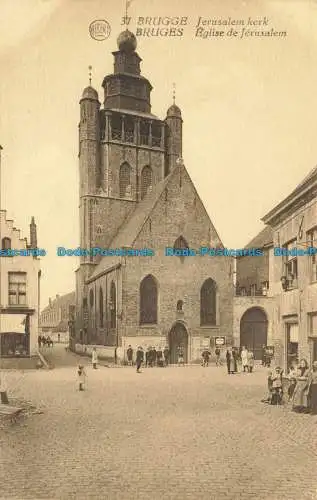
308	177
68	298
262	239
296	195
134	113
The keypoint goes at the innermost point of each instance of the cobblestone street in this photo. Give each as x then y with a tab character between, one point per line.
173	433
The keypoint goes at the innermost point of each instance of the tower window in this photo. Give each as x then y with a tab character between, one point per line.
91	298
179	306
146	180
144	133
180	244
116	127
156	134
128	129
125	180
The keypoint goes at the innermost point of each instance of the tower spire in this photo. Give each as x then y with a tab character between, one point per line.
90	70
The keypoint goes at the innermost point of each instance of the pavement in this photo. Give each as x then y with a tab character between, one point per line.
166	433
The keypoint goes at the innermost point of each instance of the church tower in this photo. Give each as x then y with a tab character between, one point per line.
124	150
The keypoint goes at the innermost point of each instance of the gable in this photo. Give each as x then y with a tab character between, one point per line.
178	211
174	198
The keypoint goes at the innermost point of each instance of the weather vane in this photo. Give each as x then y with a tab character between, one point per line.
127	5
90	69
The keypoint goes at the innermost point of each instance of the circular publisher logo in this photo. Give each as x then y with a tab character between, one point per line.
99	30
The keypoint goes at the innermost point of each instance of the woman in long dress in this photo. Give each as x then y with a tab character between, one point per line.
312	389
300	400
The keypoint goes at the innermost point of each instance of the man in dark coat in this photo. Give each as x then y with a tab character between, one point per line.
166	354
130	355
139	358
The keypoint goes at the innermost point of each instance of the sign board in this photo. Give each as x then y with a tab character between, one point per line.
220	341
205	342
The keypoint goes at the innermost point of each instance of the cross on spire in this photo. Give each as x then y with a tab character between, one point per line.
90	70
174	92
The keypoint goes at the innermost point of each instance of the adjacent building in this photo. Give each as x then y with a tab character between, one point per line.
54	317
254	303
19	291
136	194
293	277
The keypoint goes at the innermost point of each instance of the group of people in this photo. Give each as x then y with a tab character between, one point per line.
153	356
302	387
233	356
44	341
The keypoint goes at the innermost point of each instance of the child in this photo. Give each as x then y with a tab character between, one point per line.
269	388
292	378
277	390
81	378
94	358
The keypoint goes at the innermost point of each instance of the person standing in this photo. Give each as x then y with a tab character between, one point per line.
94	358
263	355
166	354
205	356
217	353
139	358
180	360
82	378
59	337
250	360
231	361
245	359
312	389
299	400
130	355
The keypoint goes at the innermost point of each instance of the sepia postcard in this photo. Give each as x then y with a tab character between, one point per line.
158	249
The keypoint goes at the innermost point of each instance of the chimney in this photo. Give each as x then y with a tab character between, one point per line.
33	234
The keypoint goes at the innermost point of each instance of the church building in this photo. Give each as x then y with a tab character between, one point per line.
136	193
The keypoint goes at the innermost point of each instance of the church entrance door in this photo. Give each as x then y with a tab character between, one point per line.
178	337
253	331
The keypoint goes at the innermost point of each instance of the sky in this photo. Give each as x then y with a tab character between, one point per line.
248	105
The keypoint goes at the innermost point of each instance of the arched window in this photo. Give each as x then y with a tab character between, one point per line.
179	306
146	180
125	180
113	305
148	301
6	244
180	244
91	298
208	303
101	307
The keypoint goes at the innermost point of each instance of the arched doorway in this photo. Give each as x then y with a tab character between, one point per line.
177	337
253	330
